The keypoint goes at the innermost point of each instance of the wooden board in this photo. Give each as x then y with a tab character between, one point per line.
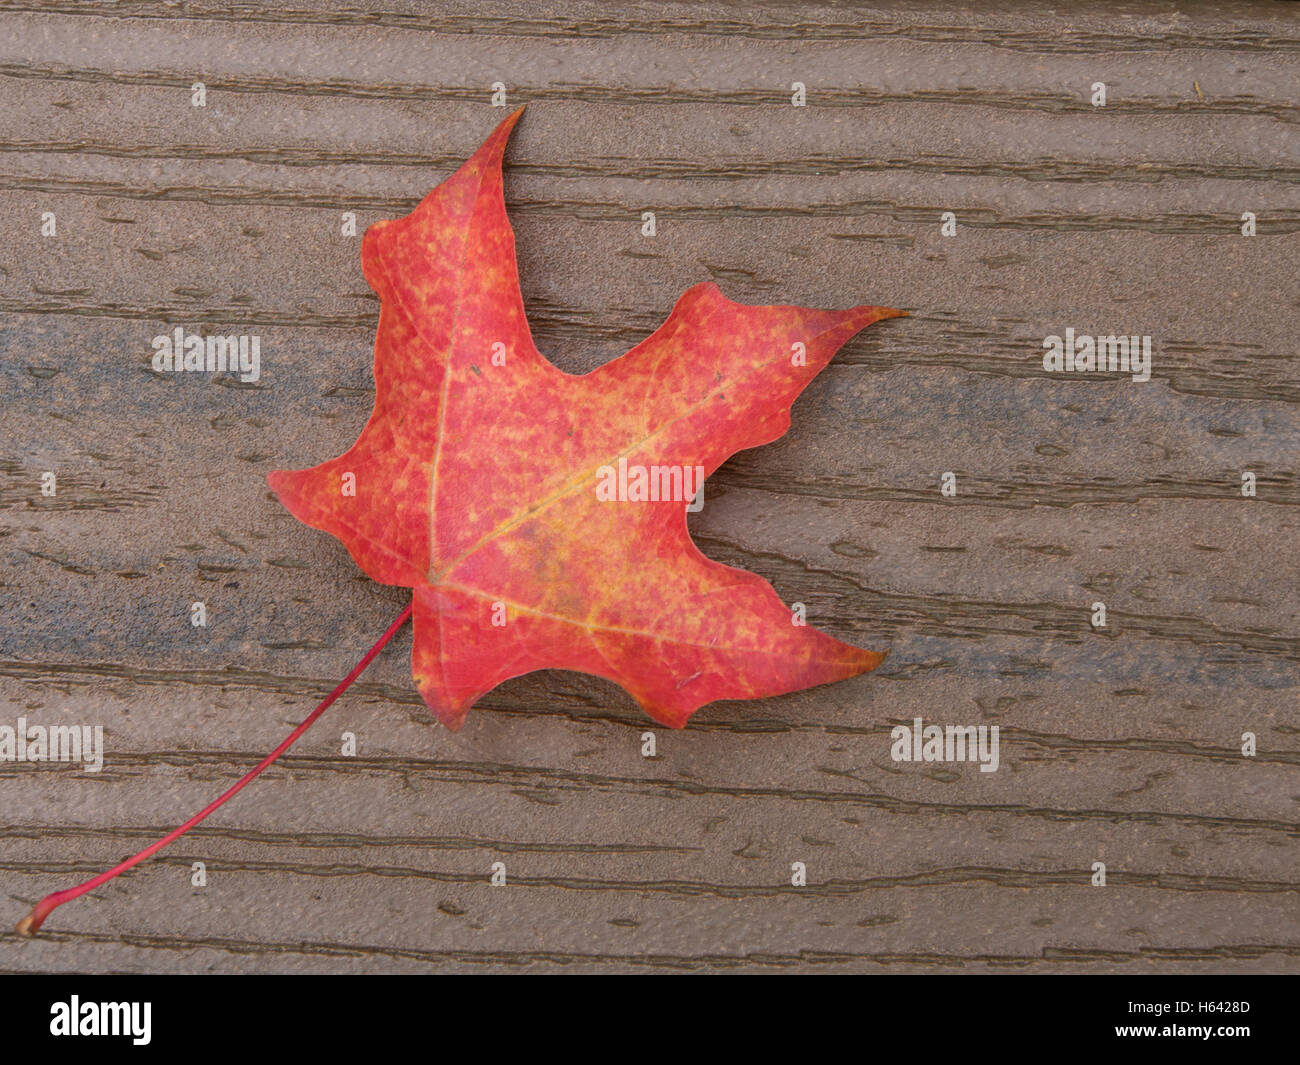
1119	745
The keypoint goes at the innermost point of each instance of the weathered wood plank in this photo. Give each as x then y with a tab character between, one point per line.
1120	745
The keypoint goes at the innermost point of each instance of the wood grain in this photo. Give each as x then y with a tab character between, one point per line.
1120	745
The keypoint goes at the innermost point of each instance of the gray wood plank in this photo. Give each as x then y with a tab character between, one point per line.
1120	745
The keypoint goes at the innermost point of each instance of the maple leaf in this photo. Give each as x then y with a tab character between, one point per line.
478	475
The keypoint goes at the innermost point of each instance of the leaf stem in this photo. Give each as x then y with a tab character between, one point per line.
33	921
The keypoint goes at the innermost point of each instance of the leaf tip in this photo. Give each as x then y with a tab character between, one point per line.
451	712
280	481
865	661
507	124
454	721
879	314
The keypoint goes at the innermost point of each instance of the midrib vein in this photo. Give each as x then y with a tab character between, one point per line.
447	374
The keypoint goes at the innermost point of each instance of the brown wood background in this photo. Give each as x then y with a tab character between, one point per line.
1119	746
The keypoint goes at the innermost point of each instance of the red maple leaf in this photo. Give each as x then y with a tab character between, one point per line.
482	479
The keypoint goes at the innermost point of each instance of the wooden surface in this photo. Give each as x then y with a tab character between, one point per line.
1120	746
